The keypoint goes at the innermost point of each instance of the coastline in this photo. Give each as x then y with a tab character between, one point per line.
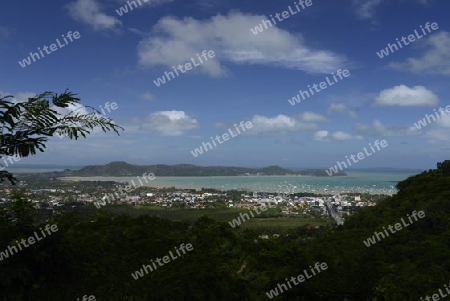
374	183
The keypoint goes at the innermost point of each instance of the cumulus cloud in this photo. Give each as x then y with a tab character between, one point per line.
73	110
89	12
147	96
144	3
365	9
312	117
168	123
336	136
174	41
438	129
435	60
20	96
341	107
405	96
140	33
278	125
438	134
378	129
443	121
7	32
70	110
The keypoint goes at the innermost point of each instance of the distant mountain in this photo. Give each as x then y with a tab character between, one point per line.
123	169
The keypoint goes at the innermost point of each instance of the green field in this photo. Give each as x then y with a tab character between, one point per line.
271	221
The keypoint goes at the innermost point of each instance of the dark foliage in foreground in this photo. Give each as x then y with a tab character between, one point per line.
98	257
26	126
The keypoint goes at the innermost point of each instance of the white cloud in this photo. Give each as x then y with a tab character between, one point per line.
168	123
377	129
89	12
72	109
443	121
140	33
436	60
425	2
18	97
269	126
22	96
279	125
365	9
175	41
7	32
439	134
407	97
147	96
144	3
336	136
439	129
341	107
312	117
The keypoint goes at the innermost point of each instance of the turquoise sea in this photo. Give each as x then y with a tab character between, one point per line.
356	181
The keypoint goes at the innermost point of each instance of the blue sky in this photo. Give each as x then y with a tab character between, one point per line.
250	78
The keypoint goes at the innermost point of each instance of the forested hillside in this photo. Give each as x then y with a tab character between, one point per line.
98	257
123	169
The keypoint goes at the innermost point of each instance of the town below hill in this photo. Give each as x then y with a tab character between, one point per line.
123	169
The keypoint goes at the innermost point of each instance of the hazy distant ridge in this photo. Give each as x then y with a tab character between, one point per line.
123	169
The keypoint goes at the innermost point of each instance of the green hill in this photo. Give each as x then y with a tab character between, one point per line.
98	256
123	169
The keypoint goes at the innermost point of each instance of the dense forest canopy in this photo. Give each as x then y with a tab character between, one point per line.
97	257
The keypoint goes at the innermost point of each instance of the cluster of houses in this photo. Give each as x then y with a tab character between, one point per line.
55	199
291	204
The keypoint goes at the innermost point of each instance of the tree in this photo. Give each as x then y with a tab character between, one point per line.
26	126
444	166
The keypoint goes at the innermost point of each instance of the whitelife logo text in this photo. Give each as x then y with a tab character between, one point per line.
128	189
33	56
360	156
124	9
225	137
436	296
423	122
187	66
5	164
371	240
108	107
411	38
323	85
284	15
31	241
237	221
318	267
165	259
